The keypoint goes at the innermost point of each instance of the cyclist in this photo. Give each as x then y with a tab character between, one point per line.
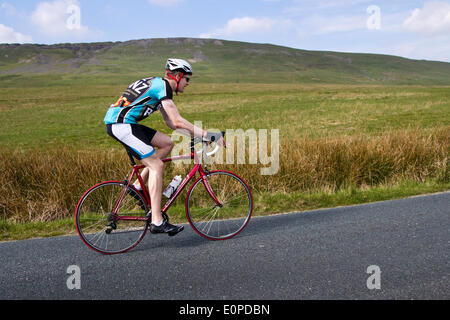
139	100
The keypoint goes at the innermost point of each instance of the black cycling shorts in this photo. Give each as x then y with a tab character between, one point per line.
135	138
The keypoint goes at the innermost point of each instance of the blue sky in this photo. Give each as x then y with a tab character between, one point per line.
413	29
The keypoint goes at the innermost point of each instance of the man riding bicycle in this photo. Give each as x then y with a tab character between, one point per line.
139	100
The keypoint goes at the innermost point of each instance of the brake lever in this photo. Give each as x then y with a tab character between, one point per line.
223	136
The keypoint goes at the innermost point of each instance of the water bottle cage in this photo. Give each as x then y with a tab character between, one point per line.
173	186
173	193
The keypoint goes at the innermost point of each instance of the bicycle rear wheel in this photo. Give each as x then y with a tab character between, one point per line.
105	232
216	222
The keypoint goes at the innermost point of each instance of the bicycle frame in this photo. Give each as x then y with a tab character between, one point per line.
136	172
95	224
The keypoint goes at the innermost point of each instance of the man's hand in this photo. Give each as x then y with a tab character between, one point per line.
221	142
216	137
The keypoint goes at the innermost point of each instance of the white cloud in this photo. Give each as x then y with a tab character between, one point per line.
423	48
8	8
300	6
56	18
243	25
432	19
319	17
165	3
324	25
8	35
341	3
309	26
248	25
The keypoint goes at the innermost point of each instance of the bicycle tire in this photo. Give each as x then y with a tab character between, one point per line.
212	221
103	232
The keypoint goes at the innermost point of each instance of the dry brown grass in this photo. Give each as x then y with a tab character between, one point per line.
40	185
331	164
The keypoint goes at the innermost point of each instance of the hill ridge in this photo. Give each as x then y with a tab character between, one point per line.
235	61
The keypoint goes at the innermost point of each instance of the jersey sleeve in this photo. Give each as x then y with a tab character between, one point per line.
166	92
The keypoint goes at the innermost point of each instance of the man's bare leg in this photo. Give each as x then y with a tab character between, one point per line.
155	175
164	146
154	168
158	225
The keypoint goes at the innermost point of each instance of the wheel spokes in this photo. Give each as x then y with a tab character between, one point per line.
220	222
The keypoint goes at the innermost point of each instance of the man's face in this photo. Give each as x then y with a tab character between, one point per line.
184	82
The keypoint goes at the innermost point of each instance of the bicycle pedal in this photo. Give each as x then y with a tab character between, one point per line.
109	229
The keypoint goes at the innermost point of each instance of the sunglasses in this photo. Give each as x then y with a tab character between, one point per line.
187	79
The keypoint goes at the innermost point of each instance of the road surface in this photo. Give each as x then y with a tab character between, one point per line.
386	250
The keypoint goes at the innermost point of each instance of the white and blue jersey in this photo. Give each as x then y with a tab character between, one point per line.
141	99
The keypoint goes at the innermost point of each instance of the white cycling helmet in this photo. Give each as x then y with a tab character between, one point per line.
179	65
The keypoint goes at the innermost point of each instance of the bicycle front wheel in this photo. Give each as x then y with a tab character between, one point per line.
219	221
104	231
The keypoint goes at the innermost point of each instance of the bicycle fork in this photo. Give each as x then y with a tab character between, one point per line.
208	187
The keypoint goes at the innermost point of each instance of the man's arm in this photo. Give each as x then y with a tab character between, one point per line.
166	118
174	120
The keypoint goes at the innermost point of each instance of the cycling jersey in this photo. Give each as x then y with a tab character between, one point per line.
141	99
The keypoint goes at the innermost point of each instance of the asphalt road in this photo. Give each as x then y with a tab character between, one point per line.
321	254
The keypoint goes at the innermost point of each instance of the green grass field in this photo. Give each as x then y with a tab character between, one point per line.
50	117
394	139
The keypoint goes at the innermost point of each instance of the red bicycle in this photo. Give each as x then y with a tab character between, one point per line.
113	217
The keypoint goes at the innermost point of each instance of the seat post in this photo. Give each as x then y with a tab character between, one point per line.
133	163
